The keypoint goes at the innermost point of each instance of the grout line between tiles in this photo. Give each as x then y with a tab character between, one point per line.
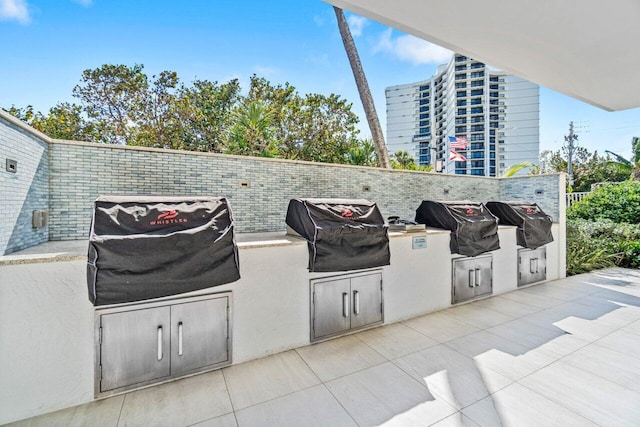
121	409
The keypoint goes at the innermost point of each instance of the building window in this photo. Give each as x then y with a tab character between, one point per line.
462	111
423	88
424	116
424	102
423	109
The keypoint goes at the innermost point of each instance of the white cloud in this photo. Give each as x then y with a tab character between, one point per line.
356	24
14	10
85	3
411	49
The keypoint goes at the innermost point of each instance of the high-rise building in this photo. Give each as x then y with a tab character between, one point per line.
497	113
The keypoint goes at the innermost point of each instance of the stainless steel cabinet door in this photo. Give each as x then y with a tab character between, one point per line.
331	307
484	276
366	300
135	347
532	265
464	279
199	332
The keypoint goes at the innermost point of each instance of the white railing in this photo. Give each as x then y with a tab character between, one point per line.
575	197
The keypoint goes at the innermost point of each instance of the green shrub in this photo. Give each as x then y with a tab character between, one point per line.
599	244
619	203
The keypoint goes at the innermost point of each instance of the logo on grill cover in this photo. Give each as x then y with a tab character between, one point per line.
346	213
471	212
168	217
530	210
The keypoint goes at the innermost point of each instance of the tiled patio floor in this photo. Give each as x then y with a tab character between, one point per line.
565	353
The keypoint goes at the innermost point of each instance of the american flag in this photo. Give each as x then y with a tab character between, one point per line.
456	156
458	143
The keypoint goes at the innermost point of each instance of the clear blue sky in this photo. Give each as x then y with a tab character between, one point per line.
46	44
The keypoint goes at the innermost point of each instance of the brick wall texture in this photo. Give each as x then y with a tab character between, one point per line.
259	189
24	191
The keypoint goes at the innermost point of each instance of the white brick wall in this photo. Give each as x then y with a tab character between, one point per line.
24	191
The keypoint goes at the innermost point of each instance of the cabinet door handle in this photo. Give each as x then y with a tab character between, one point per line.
345	304
159	342
478	277
180	339
356	302
532	265
472	278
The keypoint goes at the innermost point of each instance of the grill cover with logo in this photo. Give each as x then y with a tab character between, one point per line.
342	234
474	230
149	247
534	226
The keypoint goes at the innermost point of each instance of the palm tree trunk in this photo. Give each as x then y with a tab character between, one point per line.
363	90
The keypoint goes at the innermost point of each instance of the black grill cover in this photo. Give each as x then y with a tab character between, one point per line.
534	226
341	234
143	247
473	229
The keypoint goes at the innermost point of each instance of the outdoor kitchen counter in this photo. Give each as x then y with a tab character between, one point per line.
48	321
71	250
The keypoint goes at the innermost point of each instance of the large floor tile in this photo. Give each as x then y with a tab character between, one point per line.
518	406
178	403
313	407
478	316
440	326
601	401
532	299
589	330
622	342
456	420
551	290
228	420
633	328
341	356
395	340
100	413
501	355
264	379
451	375
615	366
384	394
507	306
552	342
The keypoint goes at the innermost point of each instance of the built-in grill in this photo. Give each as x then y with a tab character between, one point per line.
350	237
532	233
342	234
143	247
474	232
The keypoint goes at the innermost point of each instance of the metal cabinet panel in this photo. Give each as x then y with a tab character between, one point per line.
464	272
134	347
198	335
366	295
331	307
344	303
532	265
145	343
472	277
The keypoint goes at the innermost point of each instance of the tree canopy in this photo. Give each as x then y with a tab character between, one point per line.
120	104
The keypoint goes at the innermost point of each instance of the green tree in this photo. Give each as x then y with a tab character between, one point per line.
205	114
515	168
314	127
629	166
588	168
363	154
112	97
64	121
252	133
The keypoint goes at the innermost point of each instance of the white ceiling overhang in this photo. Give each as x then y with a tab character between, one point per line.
586	49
